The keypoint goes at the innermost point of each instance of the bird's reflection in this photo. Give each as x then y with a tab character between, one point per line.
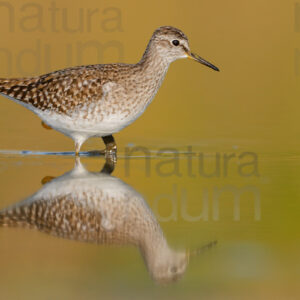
99	208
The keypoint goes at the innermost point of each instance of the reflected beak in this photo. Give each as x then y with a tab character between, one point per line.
202	61
200	250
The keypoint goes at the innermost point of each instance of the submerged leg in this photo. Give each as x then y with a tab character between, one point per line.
110	163
110	147
77	148
110	143
110	154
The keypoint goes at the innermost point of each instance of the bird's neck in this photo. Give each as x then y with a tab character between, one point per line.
149	73
152	246
153	62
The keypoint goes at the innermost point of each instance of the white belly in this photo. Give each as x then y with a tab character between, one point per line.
80	127
98	119
71	125
104	117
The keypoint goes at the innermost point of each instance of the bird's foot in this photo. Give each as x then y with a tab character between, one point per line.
47	179
108	151
111	154
111	148
46	126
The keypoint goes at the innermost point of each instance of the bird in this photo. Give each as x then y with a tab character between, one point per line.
96	207
100	100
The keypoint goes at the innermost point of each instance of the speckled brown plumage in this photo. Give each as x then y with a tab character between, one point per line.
60	91
100	100
98	208
63	217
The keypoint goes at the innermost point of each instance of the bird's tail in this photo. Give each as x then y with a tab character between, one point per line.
5	219
13	217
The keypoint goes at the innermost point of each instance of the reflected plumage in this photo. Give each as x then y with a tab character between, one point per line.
98	208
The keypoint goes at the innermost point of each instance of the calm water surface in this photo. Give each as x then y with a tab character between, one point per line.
91	235
139	232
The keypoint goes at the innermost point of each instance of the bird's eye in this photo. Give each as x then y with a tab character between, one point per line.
175	42
173	270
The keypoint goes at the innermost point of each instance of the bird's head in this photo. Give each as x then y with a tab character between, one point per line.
172	44
169	266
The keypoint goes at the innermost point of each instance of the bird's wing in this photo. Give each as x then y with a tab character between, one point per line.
59	91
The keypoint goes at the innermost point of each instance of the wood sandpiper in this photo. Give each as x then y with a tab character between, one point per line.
100	100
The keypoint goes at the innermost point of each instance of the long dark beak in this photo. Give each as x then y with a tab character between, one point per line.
201	249
202	61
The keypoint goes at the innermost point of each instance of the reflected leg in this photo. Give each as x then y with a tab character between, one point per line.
110	147
110	163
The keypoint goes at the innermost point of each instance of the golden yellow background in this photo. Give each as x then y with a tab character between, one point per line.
253	98
251	105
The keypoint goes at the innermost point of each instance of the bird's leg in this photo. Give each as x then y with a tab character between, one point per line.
47	179
110	163
77	148
110	147
45	125
110	144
